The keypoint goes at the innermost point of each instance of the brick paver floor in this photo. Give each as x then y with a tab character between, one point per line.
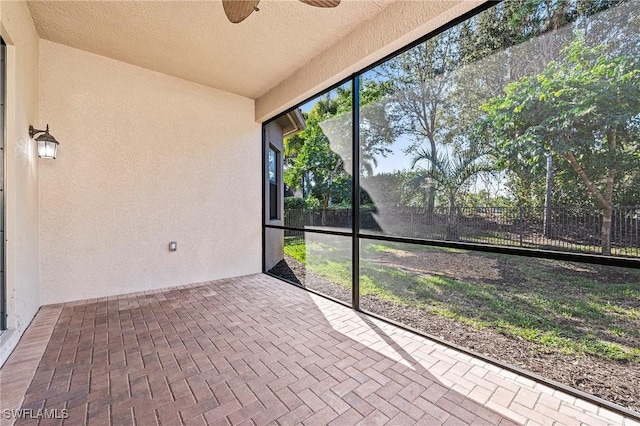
254	350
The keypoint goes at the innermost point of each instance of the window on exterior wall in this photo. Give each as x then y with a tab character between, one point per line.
495	199
273	184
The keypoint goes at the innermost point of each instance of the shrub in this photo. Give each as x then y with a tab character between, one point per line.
295	203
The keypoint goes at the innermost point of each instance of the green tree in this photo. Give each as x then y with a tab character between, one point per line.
318	159
421	80
452	174
311	164
582	107
376	129
516	39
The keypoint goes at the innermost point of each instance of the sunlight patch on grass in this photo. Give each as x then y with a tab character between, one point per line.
298	251
383	248
617	331
631	313
368	286
593	345
338	272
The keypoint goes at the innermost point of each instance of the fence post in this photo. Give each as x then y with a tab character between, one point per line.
521	224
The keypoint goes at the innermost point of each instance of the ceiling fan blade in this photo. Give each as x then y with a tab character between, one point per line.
238	10
321	3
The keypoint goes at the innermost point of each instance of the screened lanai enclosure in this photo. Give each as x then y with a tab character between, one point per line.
482	186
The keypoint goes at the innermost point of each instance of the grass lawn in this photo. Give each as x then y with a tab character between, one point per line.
562	306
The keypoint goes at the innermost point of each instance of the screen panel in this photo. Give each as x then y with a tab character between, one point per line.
315	261
517	127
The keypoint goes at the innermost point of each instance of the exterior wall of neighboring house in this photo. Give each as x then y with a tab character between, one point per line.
274	238
144	159
21	174
274	135
394	27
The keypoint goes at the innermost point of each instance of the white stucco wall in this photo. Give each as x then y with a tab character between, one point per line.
394	27
144	159
21	174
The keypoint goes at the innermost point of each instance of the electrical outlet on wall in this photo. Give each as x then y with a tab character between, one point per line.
173	246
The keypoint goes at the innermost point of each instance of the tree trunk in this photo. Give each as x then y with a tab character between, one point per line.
607	213
452	222
327	196
547	197
325	205
305	184
606	200
431	202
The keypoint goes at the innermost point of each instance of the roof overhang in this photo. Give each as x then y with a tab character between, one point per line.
292	122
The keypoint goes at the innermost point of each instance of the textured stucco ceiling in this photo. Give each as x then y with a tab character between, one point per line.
193	39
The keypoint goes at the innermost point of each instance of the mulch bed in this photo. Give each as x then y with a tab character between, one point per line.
615	381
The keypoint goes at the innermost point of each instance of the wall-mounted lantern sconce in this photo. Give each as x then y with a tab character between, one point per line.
47	144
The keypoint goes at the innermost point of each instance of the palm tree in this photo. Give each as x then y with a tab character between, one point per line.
451	173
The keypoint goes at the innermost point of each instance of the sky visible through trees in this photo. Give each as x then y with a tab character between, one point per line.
532	105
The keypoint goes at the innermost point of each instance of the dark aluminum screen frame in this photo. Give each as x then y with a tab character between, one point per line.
3	108
356	235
